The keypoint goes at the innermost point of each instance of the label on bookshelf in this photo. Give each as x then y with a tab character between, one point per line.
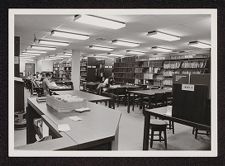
188	87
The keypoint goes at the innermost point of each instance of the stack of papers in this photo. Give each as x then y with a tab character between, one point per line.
63	127
82	109
75	118
41	99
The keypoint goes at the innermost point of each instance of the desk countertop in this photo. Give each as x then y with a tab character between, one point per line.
99	123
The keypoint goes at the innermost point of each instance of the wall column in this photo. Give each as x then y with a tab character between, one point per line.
75	75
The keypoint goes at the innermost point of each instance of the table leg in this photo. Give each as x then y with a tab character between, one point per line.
146	131
31	114
128	103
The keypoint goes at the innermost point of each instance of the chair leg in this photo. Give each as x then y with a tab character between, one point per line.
196	133
152	137
173	127
193	130
160	136
165	139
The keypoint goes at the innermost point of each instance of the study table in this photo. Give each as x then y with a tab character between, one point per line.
98	129
144	93
165	114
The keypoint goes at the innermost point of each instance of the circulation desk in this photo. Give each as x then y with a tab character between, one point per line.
98	129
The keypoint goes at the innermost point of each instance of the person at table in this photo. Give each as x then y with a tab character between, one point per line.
46	83
106	84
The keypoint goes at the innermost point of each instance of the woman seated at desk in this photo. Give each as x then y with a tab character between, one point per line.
47	83
106	84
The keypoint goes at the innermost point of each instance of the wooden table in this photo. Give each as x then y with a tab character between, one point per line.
144	93
97	130
127	87
162	113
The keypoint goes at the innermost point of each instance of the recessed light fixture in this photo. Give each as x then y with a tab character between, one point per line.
67	54
30	54
35	51
163	36
27	56
115	55
161	49
42	47
135	52
199	44
63	56
53	42
125	43
99	21
101	48
69	35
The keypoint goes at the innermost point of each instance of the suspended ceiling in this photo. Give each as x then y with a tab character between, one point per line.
188	27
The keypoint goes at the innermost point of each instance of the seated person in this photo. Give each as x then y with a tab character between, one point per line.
46	83
105	84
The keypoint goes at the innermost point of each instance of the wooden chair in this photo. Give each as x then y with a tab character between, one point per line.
158	126
120	95
158	100
197	131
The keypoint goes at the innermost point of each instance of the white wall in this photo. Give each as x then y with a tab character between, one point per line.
44	65
22	65
75	77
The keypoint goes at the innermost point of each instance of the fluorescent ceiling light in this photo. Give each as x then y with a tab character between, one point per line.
24	57
53	42
50	59
199	44
99	21
29	54
163	36
161	49
42	47
67	54
69	35
135	52
116	55
125	43
101	48
63	56
35	51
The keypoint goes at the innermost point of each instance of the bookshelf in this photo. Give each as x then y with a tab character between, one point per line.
148	71
196	65
62	70
124	70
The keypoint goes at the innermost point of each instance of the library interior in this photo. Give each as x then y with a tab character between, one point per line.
112	82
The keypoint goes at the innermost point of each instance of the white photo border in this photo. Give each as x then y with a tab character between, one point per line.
168	153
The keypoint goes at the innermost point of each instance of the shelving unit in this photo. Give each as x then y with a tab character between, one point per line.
83	71
148	72
124	70
62	70
198	65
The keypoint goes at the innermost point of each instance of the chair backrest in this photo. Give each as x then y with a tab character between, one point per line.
159	97
120	91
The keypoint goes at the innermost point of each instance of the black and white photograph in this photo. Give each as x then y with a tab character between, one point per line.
112	82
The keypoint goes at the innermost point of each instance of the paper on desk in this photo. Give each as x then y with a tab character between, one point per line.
82	109
63	127
75	118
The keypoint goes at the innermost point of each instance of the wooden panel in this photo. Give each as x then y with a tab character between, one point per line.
16	54
191	105
19	96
